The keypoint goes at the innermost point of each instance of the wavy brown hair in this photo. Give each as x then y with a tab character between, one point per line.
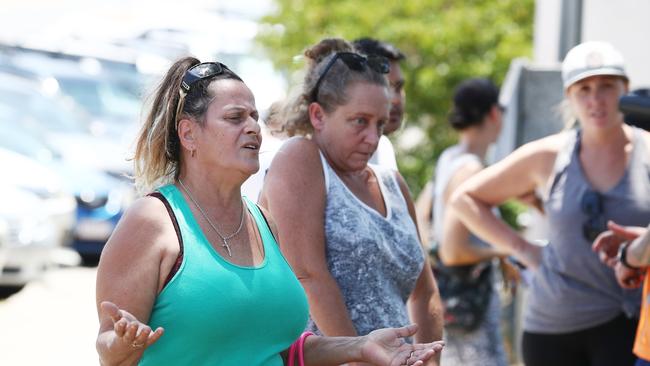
332	91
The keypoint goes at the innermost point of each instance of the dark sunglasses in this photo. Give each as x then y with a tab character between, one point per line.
204	70
591	205
353	61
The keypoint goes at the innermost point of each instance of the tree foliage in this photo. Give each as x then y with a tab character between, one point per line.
445	42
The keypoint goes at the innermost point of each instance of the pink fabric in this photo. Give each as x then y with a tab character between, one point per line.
298	347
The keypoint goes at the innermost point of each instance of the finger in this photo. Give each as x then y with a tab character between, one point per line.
120	327
111	310
599	242
611	262
155	336
130	333
422	356
622	230
435	346
406	331
143	335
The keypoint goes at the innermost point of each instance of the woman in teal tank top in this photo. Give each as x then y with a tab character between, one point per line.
193	274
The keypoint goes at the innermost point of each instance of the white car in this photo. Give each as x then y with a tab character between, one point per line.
36	220
28	236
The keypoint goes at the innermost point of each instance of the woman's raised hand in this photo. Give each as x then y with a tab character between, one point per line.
131	335
386	347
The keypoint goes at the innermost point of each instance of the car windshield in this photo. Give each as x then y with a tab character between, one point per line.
40	111
100	97
21	140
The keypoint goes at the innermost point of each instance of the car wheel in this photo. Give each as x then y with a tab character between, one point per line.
6	291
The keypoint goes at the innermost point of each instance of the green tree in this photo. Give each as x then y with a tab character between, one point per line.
445	42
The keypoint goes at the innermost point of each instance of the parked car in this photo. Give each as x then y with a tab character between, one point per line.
61	125
101	198
28	235
46	184
36	220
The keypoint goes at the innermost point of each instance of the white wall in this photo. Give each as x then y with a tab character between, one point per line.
546	35
625	24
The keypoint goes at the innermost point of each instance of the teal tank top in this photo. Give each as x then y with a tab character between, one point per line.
218	313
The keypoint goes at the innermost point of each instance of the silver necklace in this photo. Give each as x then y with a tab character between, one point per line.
223	238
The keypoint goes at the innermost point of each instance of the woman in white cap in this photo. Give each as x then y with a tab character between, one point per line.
576	314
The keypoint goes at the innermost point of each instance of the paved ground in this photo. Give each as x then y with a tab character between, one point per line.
51	321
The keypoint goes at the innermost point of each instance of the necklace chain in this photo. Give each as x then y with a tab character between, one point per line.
214	227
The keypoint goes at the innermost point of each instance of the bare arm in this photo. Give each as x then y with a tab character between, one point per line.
424	213
128	281
424	305
383	347
519	173
455	246
294	194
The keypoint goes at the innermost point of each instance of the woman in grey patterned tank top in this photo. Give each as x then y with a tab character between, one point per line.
346	227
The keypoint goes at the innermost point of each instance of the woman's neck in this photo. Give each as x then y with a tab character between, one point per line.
474	143
606	139
212	191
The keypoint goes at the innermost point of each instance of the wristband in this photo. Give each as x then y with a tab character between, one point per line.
622	255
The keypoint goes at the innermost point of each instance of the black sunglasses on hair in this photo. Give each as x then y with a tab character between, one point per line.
204	70
591	205
356	62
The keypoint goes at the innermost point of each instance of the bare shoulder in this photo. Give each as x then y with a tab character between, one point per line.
297	149
538	156
401	182
141	227
296	163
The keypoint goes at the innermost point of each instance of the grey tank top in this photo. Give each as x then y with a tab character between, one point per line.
573	290
375	260
452	159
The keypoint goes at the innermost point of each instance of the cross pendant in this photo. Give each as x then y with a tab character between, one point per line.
225	245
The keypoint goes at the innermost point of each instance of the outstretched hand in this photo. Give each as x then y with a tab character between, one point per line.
386	347
608	242
131	335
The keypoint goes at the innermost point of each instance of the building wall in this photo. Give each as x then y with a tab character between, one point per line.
625	24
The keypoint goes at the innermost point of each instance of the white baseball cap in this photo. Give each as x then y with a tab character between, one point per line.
591	59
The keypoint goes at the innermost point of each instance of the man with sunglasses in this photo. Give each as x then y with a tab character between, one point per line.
627	250
385	153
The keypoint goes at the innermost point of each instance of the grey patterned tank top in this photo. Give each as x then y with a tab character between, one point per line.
573	290
375	260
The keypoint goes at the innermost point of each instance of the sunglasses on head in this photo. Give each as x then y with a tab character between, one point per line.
356	62
198	72
204	70
591	205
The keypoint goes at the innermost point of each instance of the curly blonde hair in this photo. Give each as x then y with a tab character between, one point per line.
331	92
